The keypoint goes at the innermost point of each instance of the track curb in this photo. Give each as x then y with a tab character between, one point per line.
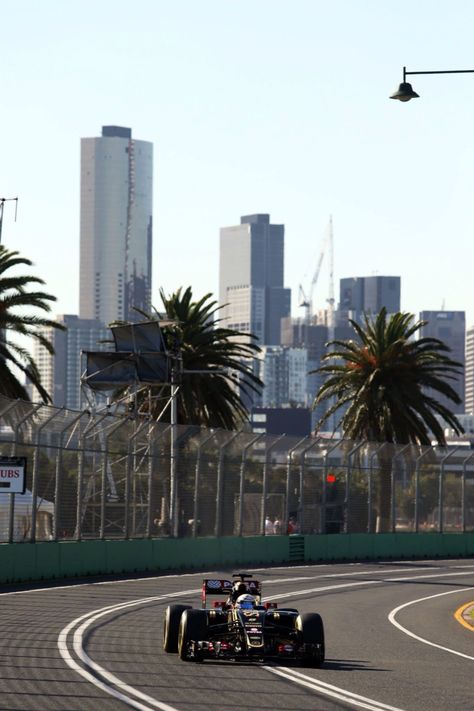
464	615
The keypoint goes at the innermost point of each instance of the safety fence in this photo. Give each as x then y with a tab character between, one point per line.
108	476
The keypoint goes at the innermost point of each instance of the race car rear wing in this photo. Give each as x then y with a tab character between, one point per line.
212	586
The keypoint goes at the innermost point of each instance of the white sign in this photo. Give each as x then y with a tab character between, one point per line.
12	475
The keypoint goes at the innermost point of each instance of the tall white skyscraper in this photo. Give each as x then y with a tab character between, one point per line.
116	226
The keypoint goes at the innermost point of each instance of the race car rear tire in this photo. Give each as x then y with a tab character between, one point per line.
192	628
171	626
311	629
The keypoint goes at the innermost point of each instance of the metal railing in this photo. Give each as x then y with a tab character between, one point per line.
109	476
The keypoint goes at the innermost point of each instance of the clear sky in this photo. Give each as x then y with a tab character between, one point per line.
277	106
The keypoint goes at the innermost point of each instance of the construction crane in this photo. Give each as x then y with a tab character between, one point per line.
331	321
305	300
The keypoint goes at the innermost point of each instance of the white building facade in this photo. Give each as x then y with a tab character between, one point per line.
116	226
285	374
469	371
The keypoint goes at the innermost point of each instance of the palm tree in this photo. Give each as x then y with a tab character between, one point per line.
386	384
17	319
217	375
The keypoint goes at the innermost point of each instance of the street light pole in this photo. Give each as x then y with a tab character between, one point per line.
405	90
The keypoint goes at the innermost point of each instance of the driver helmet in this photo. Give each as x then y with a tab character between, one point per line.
246	602
239	588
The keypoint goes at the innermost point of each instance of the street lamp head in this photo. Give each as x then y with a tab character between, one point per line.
404	92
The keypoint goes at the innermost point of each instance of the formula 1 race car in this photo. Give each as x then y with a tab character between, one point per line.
240	627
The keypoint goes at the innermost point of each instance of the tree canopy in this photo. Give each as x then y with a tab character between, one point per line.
217	379
19	321
385	383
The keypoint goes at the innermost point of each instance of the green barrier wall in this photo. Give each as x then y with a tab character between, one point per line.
21	562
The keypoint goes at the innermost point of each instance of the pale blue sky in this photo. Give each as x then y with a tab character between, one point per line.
276	106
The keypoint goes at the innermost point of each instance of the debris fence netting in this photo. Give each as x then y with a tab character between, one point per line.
102	475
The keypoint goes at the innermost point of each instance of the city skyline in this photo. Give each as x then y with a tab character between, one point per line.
300	127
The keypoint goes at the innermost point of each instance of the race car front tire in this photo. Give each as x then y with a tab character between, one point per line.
171	627
311	628
192	628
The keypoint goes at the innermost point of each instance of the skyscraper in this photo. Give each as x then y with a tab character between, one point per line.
116	225
359	295
449	327
251	278
285	372
469	372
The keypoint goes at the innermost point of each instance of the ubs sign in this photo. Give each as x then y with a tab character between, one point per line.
12	475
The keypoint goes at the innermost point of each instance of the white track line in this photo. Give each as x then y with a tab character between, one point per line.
334	692
359	583
394	622
87	620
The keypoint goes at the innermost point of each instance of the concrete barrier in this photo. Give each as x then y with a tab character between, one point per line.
23	562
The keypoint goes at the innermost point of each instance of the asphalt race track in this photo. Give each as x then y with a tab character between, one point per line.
392	643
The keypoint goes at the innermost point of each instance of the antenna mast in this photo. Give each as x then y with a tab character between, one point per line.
2	207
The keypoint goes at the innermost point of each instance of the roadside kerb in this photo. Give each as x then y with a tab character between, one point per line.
465	615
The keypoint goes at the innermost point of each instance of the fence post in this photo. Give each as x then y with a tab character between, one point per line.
392	486
152	443
57	480
126	527
10	406
369	486
263	508
242	480
11	511
80	472
353	451
3	412
197	483
34	483
325	487
288	482
417	487
103	478
441	489
302	470
220	479
463	491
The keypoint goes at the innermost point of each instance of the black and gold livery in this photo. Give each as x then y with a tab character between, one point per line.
229	630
